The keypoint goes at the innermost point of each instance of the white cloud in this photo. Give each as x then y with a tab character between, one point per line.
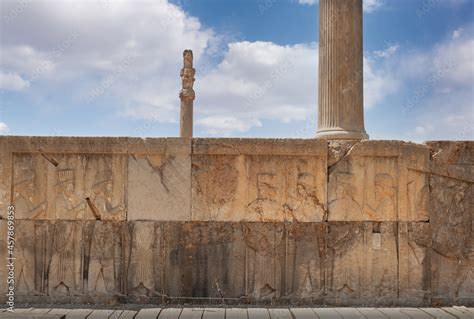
87	43
388	52
378	84
310	2
372	5
258	81
444	103
3	128
12	82
369	5
457	33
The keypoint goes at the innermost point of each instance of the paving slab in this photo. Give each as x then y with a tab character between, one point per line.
236	313
191	313
459	312
371	313
148	313
437	313
78	313
415	313
116	314
393	313
258	313
282	313
170	313
329	313
100	314
303	313
214	313
128	314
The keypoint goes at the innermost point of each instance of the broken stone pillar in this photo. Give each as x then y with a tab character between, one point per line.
341	100
187	95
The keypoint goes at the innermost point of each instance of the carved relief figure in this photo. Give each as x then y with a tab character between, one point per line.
344	248
65	267
384	195
264	271
102	273
344	206
140	271
103	195
308	261
307	205
266	207
24	191
418	199
25	257
67	204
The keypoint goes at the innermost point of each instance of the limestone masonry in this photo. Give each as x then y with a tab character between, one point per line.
115	220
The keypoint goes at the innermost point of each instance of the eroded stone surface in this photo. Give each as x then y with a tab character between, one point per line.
412	246
362	263
380	181
69	187
451	201
237	180
414	259
159	184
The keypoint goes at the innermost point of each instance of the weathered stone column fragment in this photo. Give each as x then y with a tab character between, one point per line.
341	105
187	95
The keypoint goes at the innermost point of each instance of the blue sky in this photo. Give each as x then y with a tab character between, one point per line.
111	67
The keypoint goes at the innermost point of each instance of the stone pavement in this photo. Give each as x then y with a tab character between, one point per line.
242	313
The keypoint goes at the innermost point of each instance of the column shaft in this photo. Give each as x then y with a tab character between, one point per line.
341	100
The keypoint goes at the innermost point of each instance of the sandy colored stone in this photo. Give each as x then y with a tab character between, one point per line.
451	218
57	186
143	270
380	181
414	242
3	256
259	180
204	260
187	95
304	264
159	184
5	177
362	263
341	102
103	258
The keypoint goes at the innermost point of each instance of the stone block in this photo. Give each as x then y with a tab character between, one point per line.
361	263
143	262
103	261
159	182
69	186
414	252
451	218
379	181
204	260
304	263
259	180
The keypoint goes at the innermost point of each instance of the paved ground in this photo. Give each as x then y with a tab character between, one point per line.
243	313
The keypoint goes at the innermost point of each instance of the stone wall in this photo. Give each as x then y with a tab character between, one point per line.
129	220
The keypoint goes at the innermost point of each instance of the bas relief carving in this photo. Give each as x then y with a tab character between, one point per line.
262	253
104	258
362	262
259	188
304	264
141	275
65	270
79	187
364	189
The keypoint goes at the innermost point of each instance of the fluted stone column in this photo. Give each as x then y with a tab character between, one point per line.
341	100
187	95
